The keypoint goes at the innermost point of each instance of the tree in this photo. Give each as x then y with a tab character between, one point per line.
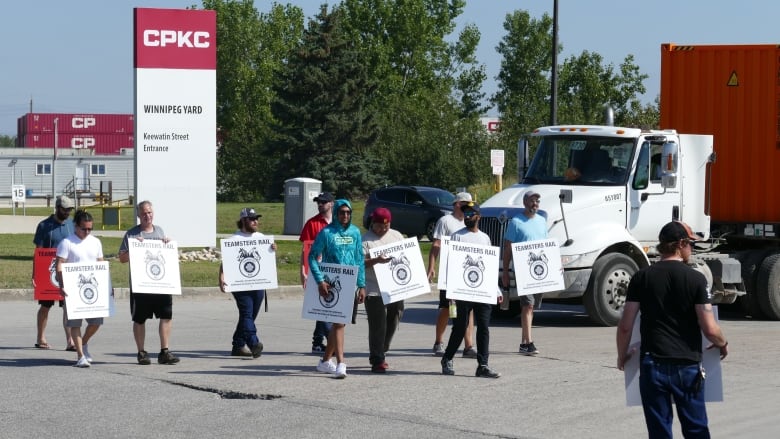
587	85
6	140
326	125
251	49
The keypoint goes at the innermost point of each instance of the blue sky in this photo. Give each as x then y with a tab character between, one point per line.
77	56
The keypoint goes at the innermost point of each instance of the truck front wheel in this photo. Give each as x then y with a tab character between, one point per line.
607	288
768	290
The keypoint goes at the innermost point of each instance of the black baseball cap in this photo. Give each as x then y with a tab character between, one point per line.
675	231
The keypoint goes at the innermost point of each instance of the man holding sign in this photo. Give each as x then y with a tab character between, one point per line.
49	233
382	319
338	243
246	342
526	226
81	246
147	306
471	234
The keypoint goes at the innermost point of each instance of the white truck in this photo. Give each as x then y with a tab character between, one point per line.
606	192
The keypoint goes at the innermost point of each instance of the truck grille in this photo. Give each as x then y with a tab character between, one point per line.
495	228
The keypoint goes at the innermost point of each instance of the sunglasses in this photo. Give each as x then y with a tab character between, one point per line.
323	202
345	212
252	219
470	214
86	229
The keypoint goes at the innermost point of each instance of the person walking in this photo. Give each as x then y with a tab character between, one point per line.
383	319
147	306
311	228
481	311
446	226
81	246
338	243
675	306
528	225
246	342
49	233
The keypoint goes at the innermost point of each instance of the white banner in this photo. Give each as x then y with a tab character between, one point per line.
154	266
537	266
249	263
444	252
88	289
710	359
404	276
337	306
472	272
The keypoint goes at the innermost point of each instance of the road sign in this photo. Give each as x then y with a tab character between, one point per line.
18	194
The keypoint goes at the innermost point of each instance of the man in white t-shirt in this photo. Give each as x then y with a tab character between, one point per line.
446	226
81	246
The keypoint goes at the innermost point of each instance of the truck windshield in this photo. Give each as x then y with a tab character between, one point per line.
579	160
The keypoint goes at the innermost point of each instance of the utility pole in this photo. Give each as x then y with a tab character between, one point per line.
554	70
54	158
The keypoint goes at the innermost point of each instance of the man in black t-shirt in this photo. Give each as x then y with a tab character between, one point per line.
675	308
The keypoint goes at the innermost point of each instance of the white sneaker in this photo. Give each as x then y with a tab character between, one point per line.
86	354
82	362
341	371
326	366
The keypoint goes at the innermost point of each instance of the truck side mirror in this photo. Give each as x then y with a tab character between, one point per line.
522	158
669	164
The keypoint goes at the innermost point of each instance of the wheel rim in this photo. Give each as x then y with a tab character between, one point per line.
615	288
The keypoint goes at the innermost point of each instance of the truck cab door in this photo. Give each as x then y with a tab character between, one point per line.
649	204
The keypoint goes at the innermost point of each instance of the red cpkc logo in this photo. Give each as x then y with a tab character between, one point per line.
82	122
177	38
82	142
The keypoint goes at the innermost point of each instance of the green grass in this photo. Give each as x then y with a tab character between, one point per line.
16	250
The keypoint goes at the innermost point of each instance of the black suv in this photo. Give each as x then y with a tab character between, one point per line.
415	209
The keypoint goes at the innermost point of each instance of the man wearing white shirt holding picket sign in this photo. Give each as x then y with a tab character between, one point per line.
81	246
146	306
472	234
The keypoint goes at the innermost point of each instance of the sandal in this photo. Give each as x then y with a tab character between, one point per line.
43	345
71	348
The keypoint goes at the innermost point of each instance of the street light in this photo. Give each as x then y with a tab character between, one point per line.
12	164
54	157
554	72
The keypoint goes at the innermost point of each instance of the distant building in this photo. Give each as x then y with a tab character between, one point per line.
491	124
102	134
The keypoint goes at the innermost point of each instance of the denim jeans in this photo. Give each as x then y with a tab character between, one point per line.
382	322
481	321
248	303
660	382
321	331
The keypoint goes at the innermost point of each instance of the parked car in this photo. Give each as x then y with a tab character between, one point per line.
415	209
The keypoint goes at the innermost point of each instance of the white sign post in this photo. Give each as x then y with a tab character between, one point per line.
472	272
537	266
404	276
154	266
249	263
17	193
88	289
176	121
337	306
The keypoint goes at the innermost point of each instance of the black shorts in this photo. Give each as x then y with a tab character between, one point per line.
147	306
50	303
444	302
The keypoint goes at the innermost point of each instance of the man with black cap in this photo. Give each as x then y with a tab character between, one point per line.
675	307
528	225
49	233
382	319
471	234
246	342
446	226
310	230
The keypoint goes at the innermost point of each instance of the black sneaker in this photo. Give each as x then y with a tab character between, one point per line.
318	349
243	351
486	372
446	367
528	349
143	358
166	357
257	350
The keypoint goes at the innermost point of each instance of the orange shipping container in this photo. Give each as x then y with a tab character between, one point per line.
733	93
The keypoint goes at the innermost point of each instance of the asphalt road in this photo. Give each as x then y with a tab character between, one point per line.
570	390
